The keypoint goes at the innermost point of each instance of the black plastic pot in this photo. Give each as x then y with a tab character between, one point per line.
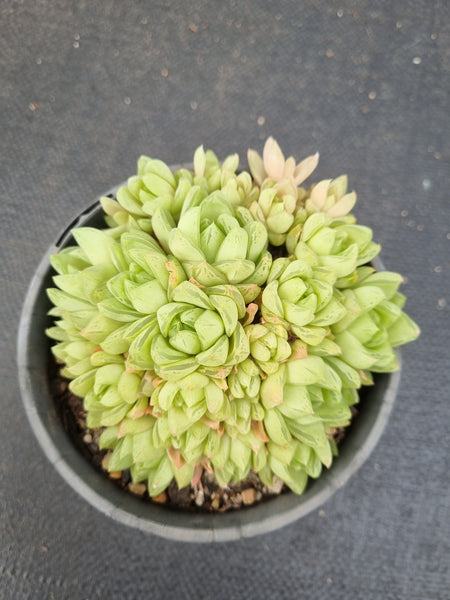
33	356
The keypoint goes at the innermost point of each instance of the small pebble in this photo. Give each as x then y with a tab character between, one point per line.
200	498
236	499
276	487
261	121
137	488
248	496
164	72
209	477
105	461
417	60
160	498
87	438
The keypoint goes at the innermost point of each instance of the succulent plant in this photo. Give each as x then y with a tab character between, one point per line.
195	348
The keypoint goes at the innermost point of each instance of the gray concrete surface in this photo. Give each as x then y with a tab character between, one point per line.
86	87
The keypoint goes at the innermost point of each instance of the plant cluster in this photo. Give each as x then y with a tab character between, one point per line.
224	320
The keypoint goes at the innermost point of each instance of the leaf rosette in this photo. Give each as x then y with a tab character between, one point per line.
269	345
217	244
374	322
155	186
200	329
302	299
280	193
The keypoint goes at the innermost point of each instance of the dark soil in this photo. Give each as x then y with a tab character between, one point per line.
206	496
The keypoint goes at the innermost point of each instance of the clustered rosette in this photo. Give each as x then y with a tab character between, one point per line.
198	345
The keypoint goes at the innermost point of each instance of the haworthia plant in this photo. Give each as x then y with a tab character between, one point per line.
196	345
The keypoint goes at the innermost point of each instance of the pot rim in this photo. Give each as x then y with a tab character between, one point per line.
99	491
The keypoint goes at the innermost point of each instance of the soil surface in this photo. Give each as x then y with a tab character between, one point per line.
206	496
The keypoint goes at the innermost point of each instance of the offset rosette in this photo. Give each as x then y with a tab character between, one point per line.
303	402
156	186
337	245
200	329
302	299
217	244
330	196
244	380
269	345
189	425
374	322
275	208
203	425
279	180
210	175
272	166
106	303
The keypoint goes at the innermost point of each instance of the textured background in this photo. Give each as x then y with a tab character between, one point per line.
88	86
